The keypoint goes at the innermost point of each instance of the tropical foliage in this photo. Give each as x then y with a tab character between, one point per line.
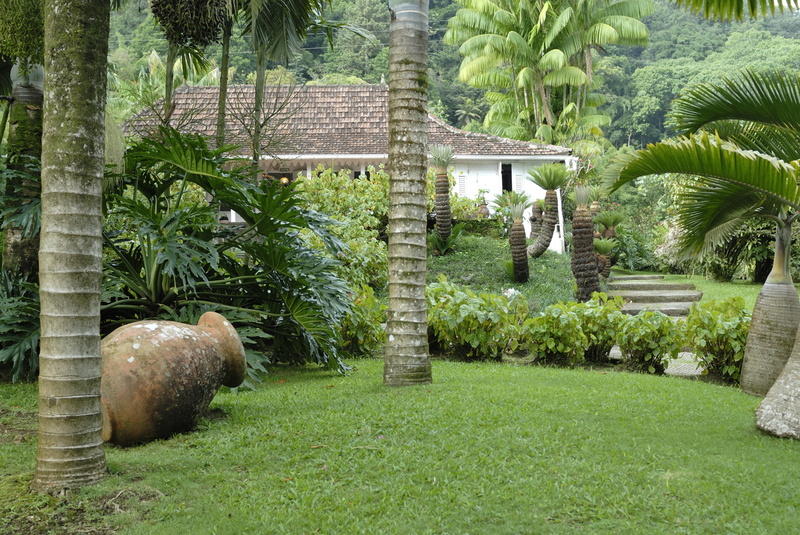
535	58
167	252
717	333
743	154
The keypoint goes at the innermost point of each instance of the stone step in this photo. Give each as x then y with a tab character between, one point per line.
636	277
659	296
639	286
669	309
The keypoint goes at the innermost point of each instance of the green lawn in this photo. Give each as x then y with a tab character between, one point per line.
487	448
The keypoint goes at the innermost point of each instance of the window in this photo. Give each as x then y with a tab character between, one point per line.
505	176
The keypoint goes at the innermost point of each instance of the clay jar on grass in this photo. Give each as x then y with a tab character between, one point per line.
159	376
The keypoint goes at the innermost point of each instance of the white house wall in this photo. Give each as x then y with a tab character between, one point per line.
480	177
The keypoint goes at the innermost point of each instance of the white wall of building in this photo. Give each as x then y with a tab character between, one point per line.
484	177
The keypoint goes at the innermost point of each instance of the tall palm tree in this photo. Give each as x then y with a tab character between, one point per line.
516	239
584	259
407	360
779	413
511	48
442	156
550	177
70	450
745	171
594	24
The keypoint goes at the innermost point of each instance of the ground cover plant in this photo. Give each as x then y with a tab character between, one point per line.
486	448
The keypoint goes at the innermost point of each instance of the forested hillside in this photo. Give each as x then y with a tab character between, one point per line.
636	83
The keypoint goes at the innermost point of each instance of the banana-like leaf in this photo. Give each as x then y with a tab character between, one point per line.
726	10
566	76
635	9
601	33
553	59
630	31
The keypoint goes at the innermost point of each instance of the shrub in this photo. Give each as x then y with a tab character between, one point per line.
19	326
440	247
717	332
648	340
469	325
362	331
600	319
166	251
361	208
555	336
634	249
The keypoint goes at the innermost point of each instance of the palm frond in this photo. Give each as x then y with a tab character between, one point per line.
777	141
709	157
549	176
768	97
709	214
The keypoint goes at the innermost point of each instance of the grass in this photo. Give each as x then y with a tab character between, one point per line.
478	262
486	448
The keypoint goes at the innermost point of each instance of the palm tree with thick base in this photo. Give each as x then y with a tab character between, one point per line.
745	172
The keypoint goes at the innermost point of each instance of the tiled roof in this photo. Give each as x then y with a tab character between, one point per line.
322	119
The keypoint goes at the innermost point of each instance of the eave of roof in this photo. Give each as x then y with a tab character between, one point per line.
329	121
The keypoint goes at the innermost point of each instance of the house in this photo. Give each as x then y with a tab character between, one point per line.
346	127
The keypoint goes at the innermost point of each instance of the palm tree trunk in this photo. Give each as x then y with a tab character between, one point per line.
549	221
261	67
444	218
779	412
406	355
773	328
169	80
223	80
70	452
545	99
519	253
584	260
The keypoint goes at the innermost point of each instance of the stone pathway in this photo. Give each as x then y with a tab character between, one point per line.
649	292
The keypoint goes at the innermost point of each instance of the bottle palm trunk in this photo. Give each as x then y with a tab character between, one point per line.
774	326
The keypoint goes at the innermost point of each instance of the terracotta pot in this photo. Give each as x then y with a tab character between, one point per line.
159	376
